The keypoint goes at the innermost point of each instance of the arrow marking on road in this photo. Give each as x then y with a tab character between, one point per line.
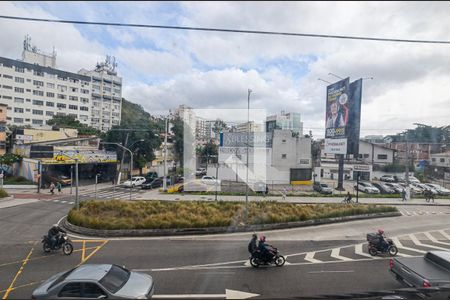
419	243
335	254
310	257
229	294
359	251
399	245
428	235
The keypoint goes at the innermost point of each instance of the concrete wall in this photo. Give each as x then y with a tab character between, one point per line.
367	149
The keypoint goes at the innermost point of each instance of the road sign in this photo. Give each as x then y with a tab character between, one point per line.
1	175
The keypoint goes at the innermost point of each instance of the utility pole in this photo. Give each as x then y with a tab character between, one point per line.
77	200
246	162
165	155
123	157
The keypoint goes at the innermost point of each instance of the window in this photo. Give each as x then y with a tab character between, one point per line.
18	120
38	83
38	73
38	102
18	110
50	95
38	93
115	279
50	104
94	86
71	290
7	76
49	113
7	87
28	100
20	70
50	85
283	156
117	91
84	108
366	155
61	96
84	100
7	97
60	114
28	90
107	89
73	107
61	105
91	290
27	120
283	141
38	112
27	110
74	90
433	159
28	80
19	90
18	100
20	80
84	91
37	122
73	98
442	160
382	156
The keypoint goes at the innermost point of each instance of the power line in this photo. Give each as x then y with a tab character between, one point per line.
313	35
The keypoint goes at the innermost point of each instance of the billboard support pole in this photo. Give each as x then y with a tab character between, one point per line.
340	186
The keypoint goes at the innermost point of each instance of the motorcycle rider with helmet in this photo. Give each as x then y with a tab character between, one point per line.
265	249
252	245
384	245
54	234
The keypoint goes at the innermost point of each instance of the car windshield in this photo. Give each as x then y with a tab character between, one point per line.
60	279
323	185
115	279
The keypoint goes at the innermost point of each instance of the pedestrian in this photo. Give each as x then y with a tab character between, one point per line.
52	188
403	195
59	187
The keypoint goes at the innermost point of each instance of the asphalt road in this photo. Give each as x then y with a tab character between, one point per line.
328	259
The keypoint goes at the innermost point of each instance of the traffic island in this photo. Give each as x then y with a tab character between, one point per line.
117	218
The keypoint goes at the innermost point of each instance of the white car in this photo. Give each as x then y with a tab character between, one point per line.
368	188
441	190
135	181
210	180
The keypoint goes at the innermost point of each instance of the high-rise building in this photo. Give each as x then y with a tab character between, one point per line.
106	95
285	121
35	90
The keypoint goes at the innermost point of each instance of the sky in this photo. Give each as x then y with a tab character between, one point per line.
163	68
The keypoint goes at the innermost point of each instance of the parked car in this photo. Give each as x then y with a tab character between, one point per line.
200	172
151	175
96	281
399	179
64	180
135	181
322	188
397	187
425	187
366	187
152	184
413	179
383	188
441	190
210	180
415	190
422	272
387	178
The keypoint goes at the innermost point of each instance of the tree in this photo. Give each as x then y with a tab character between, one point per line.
208	151
58	121
219	126
8	159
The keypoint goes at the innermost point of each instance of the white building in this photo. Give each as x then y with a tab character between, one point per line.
440	159
35	90
106	95
285	121
254	127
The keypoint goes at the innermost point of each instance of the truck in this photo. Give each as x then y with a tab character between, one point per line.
431	270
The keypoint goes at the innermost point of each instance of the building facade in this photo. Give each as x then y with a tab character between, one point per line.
285	121
35	90
3	116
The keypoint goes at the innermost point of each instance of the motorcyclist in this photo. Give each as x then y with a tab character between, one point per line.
382	240
265	249
54	235
252	246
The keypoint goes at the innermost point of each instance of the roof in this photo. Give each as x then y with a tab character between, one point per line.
89	272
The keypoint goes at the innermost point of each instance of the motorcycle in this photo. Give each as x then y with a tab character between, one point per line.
375	248
62	242
277	259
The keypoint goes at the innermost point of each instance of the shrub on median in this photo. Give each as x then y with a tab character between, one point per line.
116	214
3	193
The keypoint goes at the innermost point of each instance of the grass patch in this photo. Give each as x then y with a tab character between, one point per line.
116	214
17	180
3	193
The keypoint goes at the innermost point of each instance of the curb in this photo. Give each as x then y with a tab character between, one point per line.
215	230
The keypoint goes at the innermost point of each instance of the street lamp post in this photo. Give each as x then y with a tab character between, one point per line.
248	139
77	200
131	159
165	155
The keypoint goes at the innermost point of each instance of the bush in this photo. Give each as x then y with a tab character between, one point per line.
116	214
3	193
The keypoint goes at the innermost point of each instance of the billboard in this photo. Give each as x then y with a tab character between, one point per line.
343	109
239	139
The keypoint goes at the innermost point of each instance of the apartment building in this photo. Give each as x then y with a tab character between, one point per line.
35	90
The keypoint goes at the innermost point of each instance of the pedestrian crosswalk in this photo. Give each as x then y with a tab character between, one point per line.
107	193
409	212
416	244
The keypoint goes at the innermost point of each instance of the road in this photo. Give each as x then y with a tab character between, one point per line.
328	259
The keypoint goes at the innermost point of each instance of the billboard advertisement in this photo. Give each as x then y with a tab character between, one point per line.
343	109
337	110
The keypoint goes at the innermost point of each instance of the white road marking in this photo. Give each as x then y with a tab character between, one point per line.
229	294
403	254
419	243
318	272
63	201
335	254
444	234
399	245
310	257
429	236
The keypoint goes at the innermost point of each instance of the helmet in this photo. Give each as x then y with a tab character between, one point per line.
55	226
262	238
254	236
380	231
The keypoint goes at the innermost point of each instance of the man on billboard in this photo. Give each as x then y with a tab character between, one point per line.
338	115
